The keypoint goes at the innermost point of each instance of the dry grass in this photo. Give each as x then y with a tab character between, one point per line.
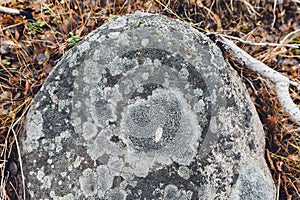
30	48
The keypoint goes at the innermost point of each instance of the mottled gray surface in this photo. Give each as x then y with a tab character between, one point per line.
145	107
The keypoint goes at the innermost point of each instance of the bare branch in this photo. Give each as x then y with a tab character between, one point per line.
264	44
274	13
9	10
250	8
27	12
280	81
288	36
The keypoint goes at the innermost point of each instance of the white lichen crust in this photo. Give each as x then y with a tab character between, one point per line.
145	107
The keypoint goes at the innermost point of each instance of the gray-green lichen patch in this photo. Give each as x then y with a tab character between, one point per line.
251	183
95	183
145	107
172	192
184	172
162	129
34	126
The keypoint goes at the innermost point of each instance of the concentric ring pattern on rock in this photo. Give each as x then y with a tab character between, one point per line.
145	107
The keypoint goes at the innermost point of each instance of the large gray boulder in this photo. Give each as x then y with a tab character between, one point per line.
145	107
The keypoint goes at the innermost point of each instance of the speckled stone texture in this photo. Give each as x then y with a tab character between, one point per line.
145	107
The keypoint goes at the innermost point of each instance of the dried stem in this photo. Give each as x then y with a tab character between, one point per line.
280	81
264	44
9	10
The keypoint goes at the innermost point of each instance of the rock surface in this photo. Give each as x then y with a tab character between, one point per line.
145	107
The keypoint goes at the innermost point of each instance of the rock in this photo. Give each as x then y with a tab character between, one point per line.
145	107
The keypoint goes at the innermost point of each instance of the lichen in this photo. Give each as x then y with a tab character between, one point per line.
34	127
184	172
119	22
114	35
166	113
184	73
40	174
88	183
89	130
104	180
172	192
198	92
252	183
58	143
47	182
115	165
116	194
145	42
63	104
77	161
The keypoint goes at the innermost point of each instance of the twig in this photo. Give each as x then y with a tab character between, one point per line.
278	186
167	9
24	12
281	82
274	13
18	197
250	8
9	10
264	44
11	26
12	128
231	4
20	160
288	36
2	183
